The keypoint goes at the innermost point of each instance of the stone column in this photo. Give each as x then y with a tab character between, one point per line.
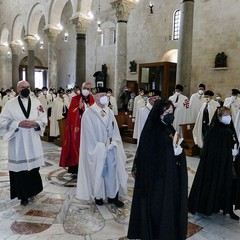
4	67
81	25
15	65
31	42
123	8
52	34
184	62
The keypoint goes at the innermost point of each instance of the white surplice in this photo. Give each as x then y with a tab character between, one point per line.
136	99
113	105
95	133
197	130
181	112
24	144
237	125
57	114
234	105
140	119
195	103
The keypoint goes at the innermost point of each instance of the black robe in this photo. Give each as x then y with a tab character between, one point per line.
159	205
214	188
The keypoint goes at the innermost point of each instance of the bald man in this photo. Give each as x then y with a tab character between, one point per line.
23	121
71	142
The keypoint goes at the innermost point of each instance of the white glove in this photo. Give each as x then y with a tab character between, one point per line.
234	152
177	150
110	147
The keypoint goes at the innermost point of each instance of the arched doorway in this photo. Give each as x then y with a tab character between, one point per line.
40	73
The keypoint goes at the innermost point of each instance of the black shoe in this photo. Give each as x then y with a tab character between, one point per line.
234	216
116	201
99	202
24	202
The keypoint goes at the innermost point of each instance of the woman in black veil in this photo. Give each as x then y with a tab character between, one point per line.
216	185
159	206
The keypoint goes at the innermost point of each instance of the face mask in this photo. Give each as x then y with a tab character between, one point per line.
45	92
85	92
78	92
177	93
108	94
50	92
226	119
200	92
104	100
25	92
168	118
218	98
141	93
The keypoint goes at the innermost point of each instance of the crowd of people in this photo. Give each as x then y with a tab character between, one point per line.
93	152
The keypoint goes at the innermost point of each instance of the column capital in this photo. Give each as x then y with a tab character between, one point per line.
15	47
52	33
30	41
81	24
123	8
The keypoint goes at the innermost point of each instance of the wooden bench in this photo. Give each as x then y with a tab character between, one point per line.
191	148
61	125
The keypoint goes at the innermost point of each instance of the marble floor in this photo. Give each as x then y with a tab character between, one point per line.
56	214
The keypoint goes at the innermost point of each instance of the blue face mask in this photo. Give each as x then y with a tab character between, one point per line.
168	118
226	119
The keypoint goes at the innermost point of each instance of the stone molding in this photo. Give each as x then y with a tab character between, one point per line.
3	50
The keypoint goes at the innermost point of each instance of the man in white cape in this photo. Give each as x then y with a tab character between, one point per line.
22	122
142	114
195	103
233	102
204	118
101	171
181	110
59	111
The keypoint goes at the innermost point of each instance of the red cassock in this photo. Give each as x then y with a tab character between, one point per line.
71	142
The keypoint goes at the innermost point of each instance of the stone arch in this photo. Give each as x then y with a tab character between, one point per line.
36	13
170	56
24	61
4	35
18	29
84	6
55	12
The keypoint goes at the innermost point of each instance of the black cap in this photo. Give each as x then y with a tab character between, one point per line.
208	93
202	85
101	90
235	91
179	87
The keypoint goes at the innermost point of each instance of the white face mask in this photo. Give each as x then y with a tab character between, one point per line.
218	98
226	119
108	94
200	92
78	91
85	92
45	92
104	100
177	93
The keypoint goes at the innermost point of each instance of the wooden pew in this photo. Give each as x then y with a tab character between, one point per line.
191	148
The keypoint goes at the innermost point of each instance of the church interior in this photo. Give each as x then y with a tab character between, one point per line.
117	44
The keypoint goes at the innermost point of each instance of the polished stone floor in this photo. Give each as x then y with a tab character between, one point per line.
56	214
